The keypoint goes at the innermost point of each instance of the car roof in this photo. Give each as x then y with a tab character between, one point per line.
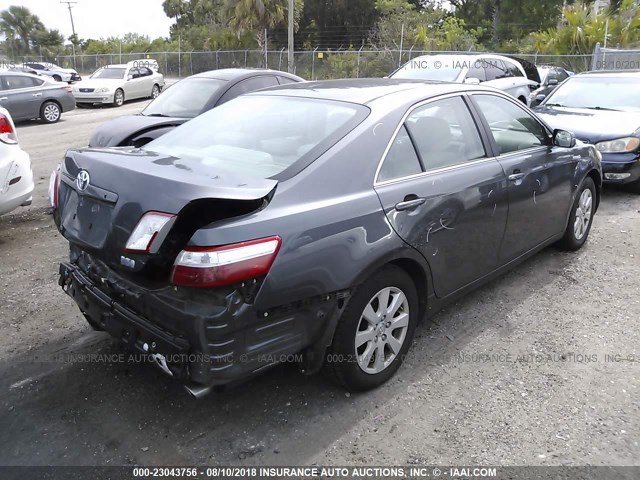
22	74
610	73
367	90
233	73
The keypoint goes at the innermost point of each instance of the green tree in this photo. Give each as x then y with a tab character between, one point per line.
258	16
18	25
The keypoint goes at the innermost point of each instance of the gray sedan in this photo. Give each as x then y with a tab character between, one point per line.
321	218
29	96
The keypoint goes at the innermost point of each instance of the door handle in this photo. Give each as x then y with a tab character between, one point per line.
411	203
4	98
515	176
37	94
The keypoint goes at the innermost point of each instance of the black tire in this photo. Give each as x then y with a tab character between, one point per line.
342	356
118	98
571	241
57	78
50	112
155	91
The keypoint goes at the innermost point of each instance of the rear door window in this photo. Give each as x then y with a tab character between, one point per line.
495	69
401	159
445	133
12	82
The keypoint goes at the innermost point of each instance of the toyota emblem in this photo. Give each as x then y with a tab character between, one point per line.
82	180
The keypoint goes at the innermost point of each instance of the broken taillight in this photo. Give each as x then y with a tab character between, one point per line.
207	267
7	132
149	233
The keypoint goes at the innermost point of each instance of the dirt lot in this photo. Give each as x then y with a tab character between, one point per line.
515	374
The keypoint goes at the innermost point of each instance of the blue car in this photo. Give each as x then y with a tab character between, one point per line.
602	108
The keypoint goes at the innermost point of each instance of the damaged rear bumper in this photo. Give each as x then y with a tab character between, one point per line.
207	337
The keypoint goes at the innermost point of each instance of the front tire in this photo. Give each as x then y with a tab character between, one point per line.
57	78
581	217
50	112
375	331
118	98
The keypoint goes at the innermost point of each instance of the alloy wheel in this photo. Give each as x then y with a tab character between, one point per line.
382	330
51	113
583	214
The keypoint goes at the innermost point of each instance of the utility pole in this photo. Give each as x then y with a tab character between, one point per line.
73	29
290	63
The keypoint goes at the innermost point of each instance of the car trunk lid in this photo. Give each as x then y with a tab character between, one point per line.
105	192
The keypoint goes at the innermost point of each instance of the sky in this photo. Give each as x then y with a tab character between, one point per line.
100	18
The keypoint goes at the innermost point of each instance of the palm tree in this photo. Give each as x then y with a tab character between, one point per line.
259	16
19	23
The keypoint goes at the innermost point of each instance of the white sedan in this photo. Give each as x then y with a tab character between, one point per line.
114	84
16	177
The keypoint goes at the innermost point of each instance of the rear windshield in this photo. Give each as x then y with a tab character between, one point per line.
109	73
185	99
261	135
606	93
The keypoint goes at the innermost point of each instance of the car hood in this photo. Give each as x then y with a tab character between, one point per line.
116	131
591	125
99	82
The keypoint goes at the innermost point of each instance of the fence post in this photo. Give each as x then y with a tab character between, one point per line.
217	60
358	65
313	63
280	59
596	55
245	57
191	63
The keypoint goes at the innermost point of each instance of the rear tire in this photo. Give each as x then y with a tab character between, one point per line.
155	91
118	98
50	112
372	339
581	217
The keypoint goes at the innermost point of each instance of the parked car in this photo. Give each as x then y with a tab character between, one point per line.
28	97
550	78
602	108
16	177
497	71
183	101
313	216
114	84
52	70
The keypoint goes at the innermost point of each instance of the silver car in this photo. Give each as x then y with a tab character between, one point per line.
28	97
114	84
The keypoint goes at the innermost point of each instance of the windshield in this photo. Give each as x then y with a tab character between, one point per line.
607	93
260	136
185	99
446	70
117	73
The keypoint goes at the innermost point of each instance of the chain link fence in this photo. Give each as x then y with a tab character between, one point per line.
312	64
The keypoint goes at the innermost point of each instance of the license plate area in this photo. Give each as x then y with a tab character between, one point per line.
86	219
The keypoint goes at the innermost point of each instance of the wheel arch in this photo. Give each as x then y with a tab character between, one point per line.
413	264
597	179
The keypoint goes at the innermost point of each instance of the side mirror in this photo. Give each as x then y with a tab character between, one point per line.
564	139
540	97
552	81
472	80
129	77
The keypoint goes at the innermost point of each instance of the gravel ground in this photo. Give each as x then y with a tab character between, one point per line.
539	367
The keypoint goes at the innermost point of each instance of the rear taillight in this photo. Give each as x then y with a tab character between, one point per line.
54	185
206	267
7	132
150	232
